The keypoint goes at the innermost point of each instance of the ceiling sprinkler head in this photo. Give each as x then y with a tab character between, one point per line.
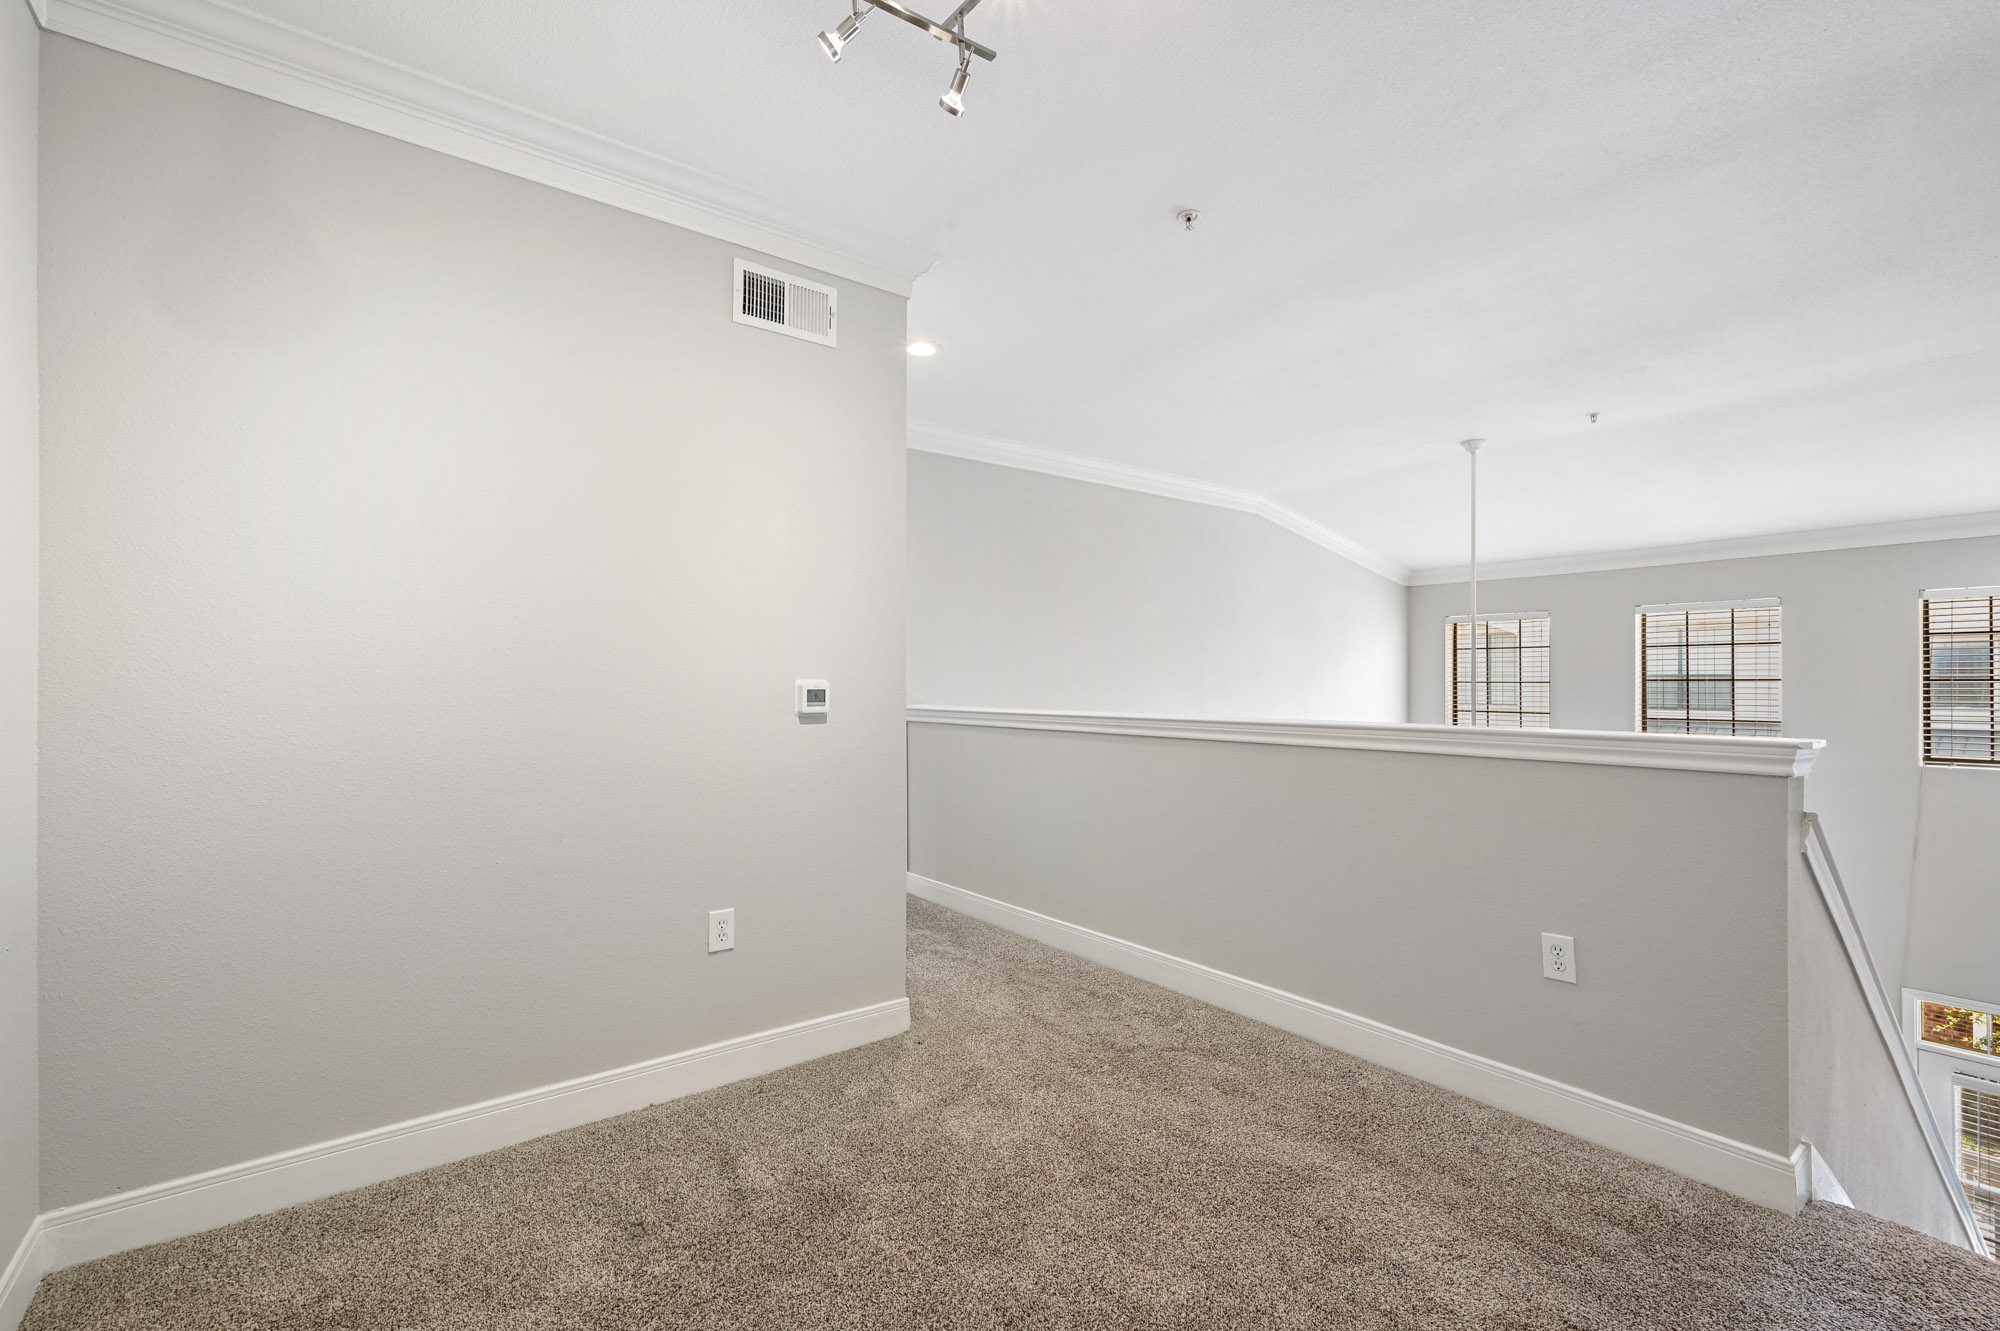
1187	217
1593	418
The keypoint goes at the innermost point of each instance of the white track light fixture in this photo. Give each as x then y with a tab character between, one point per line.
950	30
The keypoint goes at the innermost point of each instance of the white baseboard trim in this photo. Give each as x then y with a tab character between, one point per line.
23	1272
1758	1175
236	1192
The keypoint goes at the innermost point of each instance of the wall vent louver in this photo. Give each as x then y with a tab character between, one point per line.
785	304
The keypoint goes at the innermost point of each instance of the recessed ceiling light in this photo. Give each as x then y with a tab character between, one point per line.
922	347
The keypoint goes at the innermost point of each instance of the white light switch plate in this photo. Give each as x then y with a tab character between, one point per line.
722	930
1559	958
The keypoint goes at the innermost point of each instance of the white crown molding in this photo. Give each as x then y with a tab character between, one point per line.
928	438
1735	755
1761	1176
223	1196
1744	547
285	64
40	9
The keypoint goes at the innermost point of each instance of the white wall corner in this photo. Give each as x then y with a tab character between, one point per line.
1960	527
20	1276
178	1207
1750	1172
285	64
925	437
1821	1185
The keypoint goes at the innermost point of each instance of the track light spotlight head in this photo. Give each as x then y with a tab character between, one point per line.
832	42
954	100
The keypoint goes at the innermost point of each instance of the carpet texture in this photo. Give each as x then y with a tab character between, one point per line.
1053	1145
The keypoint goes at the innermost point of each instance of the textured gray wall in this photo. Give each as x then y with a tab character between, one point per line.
1851	678
1034	591
1955	886
1412	889
19	553
428	559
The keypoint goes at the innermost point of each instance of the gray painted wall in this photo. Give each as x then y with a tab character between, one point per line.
1955	888
428	559
1413	889
1851	678
19	555
1033	591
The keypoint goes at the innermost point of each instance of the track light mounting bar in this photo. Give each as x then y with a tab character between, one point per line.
951	30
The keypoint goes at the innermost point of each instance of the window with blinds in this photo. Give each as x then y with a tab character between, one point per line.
1979	1158
1499	670
1711	669
1961	642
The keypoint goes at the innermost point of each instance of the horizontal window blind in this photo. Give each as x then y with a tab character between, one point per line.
1711	669
1961	632
1499	669
1979	1158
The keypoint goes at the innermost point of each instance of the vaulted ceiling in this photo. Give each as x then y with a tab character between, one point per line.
1760	240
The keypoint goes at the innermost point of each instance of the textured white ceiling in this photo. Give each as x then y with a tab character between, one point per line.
1761	239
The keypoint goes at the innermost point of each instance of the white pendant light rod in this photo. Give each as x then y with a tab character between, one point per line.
1471	447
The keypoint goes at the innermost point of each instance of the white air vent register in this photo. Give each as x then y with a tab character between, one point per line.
785	304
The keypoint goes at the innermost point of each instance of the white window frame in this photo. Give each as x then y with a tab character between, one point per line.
1639	613
1451	664
1913	1030
1923	676
1964	1081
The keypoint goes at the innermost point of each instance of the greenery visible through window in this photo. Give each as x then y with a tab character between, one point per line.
1499	671
1958	1028
1710	670
1961	644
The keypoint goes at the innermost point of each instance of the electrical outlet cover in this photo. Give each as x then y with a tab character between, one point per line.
722	930
1559	958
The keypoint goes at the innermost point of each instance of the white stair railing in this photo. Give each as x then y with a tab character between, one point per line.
1820	866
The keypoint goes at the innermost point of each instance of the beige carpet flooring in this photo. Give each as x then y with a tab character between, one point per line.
1052	1145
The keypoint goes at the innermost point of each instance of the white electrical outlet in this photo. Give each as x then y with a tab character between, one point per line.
722	930
1559	958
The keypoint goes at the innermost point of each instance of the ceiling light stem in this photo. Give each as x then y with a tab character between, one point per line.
1471	447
